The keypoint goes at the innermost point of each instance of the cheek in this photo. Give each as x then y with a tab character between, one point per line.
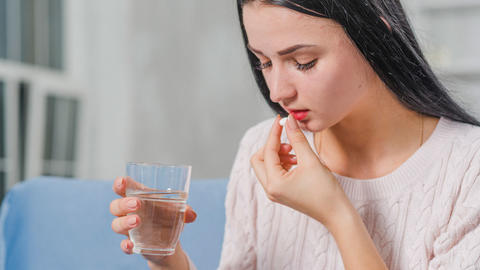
339	84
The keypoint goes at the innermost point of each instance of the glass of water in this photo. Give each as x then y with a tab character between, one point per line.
162	191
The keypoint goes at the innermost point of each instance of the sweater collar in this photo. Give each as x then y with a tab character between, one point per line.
402	177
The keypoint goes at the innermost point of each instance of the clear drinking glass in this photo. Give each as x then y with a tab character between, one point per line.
162	191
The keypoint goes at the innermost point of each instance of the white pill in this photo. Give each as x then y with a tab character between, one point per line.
283	121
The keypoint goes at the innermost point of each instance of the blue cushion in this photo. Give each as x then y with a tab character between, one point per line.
56	223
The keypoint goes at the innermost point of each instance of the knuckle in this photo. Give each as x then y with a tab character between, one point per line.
122	224
114	225
125	221
113	208
119	207
272	193
257	157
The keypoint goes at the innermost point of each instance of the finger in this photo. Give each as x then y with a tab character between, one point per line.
121	207
122	225
258	164
190	215
127	246
288	159
272	147
287	166
299	142
285	148
259	154
119	186
122	184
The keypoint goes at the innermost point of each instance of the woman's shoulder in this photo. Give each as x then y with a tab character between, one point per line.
461	128
463	135
461	172
462	155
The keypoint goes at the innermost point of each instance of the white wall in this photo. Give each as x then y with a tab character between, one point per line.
449	34
195	95
96	57
168	81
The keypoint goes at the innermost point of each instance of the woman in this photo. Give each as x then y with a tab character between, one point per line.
377	166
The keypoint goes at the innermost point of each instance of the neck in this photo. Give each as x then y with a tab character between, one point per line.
369	146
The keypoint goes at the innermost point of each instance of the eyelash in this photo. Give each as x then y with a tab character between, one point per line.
301	67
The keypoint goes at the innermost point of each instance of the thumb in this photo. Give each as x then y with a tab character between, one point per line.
299	142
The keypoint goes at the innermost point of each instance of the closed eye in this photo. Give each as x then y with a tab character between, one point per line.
307	66
302	67
260	66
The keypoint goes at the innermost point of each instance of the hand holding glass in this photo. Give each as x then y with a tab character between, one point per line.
162	191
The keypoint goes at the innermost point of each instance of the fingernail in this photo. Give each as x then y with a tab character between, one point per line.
132	221
292	123
190	216
132	204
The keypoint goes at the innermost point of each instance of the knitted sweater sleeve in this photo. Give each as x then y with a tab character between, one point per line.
458	246
238	250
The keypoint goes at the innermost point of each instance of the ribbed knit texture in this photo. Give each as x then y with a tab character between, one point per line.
423	215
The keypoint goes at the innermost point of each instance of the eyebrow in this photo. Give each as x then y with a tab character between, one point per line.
284	51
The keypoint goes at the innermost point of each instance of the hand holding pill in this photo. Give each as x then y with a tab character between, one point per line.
297	187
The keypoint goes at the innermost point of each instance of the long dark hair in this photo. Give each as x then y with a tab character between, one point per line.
393	52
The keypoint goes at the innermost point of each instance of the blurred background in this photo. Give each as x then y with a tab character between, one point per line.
87	85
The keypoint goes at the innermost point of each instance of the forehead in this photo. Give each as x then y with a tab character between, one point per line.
270	25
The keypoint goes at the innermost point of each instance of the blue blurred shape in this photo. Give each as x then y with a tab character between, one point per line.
58	223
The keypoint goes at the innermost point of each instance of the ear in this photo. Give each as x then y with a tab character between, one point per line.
386	23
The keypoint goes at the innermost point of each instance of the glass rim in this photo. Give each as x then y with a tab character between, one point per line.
159	164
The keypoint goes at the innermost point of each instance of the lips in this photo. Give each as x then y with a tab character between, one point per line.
299	115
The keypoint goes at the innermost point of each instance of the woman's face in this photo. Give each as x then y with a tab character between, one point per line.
310	65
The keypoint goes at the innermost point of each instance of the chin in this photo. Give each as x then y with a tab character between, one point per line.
311	126
314	124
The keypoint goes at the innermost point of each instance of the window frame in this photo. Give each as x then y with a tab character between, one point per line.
43	83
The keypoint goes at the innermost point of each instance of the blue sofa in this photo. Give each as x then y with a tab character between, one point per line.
56	223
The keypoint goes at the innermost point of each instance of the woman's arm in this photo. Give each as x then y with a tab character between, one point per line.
177	261
353	240
313	190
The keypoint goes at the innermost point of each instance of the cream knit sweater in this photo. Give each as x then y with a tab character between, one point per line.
423	215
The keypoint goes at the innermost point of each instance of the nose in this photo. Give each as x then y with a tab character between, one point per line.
280	85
